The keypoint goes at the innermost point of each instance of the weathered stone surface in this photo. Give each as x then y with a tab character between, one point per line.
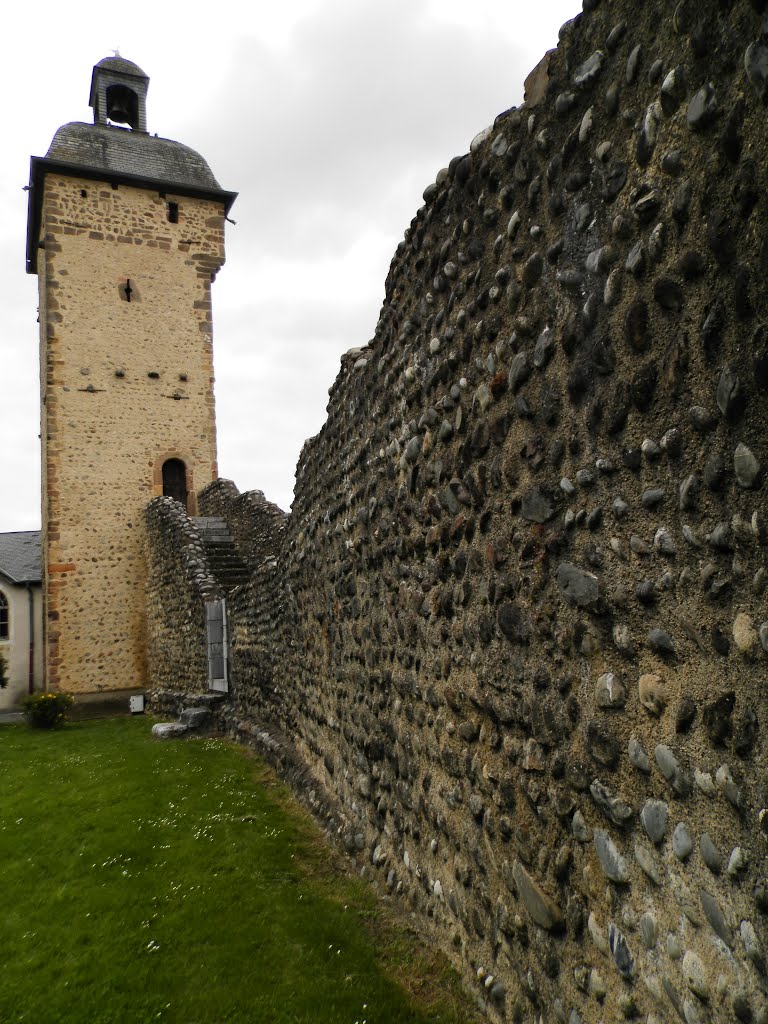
756	66
610	691
716	918
169	730
703	108
649	863
695	975
654	816
589	70
638	755
542	908
649	929
577	586
662	643
513	622
652	692
752	946
611	861
611	805
745	466
537	506
581	830
670	767
744	633
620	951
710	854
195	718
718	717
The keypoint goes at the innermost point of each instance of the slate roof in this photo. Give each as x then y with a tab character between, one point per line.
121	65
20	556
113	150
108	153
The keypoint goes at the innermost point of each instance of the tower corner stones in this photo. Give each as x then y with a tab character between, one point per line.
126	234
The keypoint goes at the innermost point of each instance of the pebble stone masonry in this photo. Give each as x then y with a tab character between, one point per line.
512	641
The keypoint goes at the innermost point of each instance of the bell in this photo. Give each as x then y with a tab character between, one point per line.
119	113
120	109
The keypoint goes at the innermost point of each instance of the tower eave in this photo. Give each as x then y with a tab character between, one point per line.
40	166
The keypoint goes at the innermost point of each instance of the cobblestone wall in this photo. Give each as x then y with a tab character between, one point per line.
517	623
179	584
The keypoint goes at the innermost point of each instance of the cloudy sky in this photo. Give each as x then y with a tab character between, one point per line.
329	117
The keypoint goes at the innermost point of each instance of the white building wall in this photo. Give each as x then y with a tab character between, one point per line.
15	650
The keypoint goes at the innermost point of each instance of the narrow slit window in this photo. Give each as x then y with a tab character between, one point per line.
173	213
4	617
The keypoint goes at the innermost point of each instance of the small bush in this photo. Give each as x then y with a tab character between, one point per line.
3	673
47	710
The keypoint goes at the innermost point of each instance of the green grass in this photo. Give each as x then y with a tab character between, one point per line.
178	882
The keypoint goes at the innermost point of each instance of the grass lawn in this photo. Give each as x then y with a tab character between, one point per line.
179	882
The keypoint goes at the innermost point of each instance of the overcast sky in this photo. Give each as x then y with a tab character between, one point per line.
329	117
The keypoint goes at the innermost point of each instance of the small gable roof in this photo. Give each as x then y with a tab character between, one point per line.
20	556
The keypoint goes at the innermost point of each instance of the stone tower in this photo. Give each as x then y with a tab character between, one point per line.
126	235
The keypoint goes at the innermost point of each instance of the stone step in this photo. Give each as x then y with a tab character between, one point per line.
169	730
212	528
226	555
194	718
224	560
229	572
190	720
210	522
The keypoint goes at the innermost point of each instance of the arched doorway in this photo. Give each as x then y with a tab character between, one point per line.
175	480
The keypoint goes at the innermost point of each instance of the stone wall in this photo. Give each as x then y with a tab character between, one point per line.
126	383
178	585
516	625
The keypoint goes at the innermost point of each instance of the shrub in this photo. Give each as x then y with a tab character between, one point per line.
3	673
46	710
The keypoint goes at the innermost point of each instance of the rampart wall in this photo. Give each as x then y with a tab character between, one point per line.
515	625
181	583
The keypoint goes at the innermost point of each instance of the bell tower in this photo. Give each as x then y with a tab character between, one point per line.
126	235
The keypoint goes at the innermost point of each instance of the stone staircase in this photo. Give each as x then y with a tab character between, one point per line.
223	557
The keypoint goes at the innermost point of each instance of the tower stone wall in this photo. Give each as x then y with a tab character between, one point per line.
127	382
126	234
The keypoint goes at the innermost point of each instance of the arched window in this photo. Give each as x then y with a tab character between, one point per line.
4	618
175	480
